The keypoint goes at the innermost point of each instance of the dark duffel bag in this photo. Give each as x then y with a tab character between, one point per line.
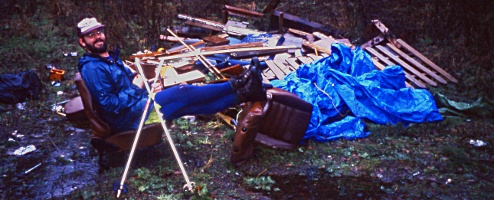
279	122
17	87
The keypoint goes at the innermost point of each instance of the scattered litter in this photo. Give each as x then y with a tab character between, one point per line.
57	108
56	74
32	168
190	118
21	106
73	54
23	150
74	130
55	83
37	135
59	93
477	143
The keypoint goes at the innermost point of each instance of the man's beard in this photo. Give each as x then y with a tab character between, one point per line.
95	50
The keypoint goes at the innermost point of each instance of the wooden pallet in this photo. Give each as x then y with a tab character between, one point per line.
419	71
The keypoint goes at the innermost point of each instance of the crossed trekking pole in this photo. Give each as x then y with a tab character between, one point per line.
167	133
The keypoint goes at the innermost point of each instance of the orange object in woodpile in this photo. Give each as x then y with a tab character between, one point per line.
56	74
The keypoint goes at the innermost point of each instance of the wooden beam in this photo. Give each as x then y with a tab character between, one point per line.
270	6
198	52
317	48
280	24
232	46
296	21
243	12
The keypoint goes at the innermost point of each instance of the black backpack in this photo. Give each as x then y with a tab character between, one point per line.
18	87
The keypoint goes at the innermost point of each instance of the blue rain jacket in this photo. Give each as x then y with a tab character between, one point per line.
117	101
345	89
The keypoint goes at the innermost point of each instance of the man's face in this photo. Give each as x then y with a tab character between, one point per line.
95	41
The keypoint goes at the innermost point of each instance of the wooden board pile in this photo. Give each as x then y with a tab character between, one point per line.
293	42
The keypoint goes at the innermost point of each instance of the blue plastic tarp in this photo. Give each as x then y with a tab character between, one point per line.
345	89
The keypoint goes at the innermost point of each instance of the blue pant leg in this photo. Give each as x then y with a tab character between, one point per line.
211	107
207	93
177	98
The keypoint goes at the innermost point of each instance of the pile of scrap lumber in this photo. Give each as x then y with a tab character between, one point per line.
206	48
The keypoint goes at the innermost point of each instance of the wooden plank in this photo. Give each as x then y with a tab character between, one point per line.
296	21
314	56
304	60
270	6
232	46
277	71
426	60
206	26
243	12
267	75
379	56
316	47
285	69
215	40
417	64
197	52
293	63
406	66
388	62
380	66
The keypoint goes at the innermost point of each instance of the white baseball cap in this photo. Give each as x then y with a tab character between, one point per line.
87	25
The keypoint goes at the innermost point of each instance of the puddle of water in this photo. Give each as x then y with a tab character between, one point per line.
50	172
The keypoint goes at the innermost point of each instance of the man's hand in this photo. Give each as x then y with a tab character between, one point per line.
138	80
156	87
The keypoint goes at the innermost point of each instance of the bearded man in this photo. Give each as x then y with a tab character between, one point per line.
120	97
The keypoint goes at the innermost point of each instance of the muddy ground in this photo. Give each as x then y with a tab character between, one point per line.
423	161
452	159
